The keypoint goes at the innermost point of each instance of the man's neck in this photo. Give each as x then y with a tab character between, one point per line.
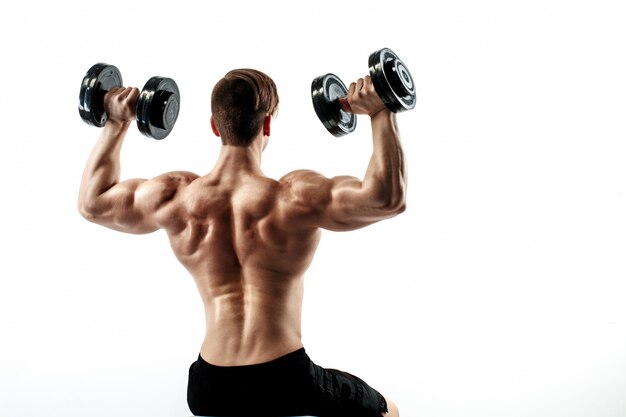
240	158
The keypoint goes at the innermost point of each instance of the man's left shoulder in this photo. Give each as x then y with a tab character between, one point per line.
182	177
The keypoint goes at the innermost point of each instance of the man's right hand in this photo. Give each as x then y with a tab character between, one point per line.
120	104
362	98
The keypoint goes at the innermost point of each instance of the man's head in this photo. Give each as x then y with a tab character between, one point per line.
242	104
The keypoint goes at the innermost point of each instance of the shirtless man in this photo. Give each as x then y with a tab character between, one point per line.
247	240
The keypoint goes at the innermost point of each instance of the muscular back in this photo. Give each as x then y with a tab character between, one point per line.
235	233
237	225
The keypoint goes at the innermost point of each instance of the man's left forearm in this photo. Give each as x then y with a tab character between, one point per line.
103	166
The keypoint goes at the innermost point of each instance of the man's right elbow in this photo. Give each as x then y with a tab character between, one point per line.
394	205
397	207
401	208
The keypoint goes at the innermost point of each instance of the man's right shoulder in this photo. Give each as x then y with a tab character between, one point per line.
306	188
302	175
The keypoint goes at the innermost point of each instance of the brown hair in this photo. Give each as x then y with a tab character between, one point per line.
239	103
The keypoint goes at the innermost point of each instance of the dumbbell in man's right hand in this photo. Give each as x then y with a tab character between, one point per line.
362	98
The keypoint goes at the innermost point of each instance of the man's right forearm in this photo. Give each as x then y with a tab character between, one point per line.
385	178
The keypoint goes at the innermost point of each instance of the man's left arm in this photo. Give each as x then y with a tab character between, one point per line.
131	206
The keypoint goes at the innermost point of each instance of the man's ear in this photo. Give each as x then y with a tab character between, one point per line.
267	125
214	127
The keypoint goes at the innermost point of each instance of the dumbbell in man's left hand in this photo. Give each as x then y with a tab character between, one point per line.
120	104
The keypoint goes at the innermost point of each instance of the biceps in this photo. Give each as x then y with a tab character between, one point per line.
350	209
341	203
126	207
349	206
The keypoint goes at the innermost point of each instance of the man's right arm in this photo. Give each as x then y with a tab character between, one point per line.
381	194
348	203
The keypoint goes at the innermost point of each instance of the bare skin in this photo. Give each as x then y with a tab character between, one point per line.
246	239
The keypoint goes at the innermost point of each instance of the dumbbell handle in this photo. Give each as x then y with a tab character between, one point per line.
162	101
345	105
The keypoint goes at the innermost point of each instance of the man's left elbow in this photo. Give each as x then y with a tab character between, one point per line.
88	209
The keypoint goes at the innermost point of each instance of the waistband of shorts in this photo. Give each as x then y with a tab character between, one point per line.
295	358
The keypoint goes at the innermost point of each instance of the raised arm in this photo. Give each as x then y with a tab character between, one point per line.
132	206
347	203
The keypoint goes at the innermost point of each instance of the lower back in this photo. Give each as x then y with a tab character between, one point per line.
248	323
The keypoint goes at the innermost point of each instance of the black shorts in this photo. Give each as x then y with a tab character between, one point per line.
291	385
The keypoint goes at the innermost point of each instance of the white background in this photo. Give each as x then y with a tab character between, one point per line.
500	291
